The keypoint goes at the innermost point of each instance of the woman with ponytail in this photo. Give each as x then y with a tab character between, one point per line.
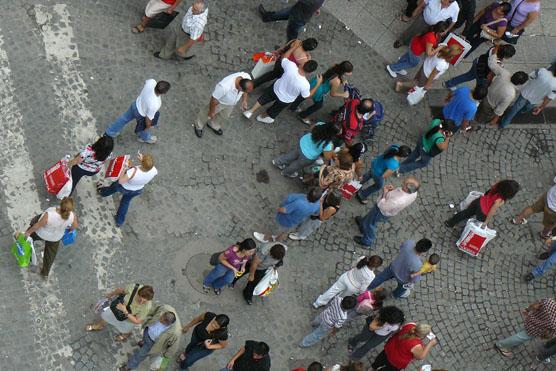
50	227
352	282
382	167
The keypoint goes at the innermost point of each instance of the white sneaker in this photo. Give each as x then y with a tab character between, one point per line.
281	167
294	175
260	237
247	114
319	161
151	140
265	120
402	72
405	294
392	73
295	237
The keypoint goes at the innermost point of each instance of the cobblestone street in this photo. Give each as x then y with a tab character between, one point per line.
69	68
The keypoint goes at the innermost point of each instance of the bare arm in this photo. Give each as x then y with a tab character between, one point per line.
420	352
212	107
430	79
193	322
492	211
254	264
387	174
531	17
317	85
444	145
41	223
419	8
230	364
539	108
222	260
336	89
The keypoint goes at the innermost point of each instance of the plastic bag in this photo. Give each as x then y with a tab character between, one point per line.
65	191
69	237
160	363
116	167
474	238
472	196
268	283
265	63
57	176
23	250
350	188
415	95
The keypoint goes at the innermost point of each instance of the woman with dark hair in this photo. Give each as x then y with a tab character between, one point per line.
90	160
329	206
332	82
300	55
311	146
430	144
382	167
210	334
231	263
484	207
490	24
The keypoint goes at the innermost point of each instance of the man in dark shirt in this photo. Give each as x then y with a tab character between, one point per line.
253	356
297	15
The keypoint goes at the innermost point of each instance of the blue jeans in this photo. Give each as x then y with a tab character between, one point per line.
127	195
379	183
521	105
131	114
194	351
514	340
417	159
320	331
547	264
406	61
219	277
368	225
385	275
468	76
142	352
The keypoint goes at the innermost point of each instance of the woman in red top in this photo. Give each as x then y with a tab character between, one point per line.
427	42
405	346
484	207
153	8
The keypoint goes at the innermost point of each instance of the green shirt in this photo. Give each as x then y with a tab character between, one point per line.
433	140
139	310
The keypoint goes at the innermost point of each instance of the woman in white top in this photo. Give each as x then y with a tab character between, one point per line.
90	160
50	228
433	67
130	184
352	282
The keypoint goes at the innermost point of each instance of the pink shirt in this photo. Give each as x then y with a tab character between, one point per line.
395	201
233	258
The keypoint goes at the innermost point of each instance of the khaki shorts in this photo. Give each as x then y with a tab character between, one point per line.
540	206
155	7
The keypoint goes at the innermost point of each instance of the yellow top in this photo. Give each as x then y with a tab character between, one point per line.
428	268
139	310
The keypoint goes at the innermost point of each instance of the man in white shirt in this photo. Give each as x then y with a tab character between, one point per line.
145	110
225	96
287	88
433	12
392	201
185	35
535	95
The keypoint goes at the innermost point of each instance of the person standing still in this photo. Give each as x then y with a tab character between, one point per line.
154	8
145	110
297	15
253	356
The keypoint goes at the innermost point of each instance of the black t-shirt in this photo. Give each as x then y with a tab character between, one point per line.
201	333
247	363
482	65
303	10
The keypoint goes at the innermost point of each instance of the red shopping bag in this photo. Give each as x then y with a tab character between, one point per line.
350	188
457	40
56	176
116	167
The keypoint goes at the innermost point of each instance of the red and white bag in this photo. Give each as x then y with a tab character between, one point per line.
350	188
56	177
474	238
116	167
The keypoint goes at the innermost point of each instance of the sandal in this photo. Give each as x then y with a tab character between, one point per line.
544	236
138	29
403	18
91	328
523	221
121	338
504	352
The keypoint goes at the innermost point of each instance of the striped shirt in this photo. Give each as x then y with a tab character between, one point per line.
334	315
90	163
194	24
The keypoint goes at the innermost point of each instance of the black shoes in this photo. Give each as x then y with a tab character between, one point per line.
217	132
358	221
397	44
263	13
359	240
198	132
529	277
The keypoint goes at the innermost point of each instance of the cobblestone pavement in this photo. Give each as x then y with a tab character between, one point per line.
68	69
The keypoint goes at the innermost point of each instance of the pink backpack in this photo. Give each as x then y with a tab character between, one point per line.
365	303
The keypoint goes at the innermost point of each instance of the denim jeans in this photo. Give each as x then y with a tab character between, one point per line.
114	128
417	159
379	183
76	174
320	331
547	264
219	277
127	195
385	275
368	225
521	105
468	76
142	352
514	340
406	61
194	351
308	227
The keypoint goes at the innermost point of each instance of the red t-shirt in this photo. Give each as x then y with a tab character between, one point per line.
419	43
398	351
171	2
488	200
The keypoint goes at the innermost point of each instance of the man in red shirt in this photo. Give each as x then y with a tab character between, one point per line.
353	117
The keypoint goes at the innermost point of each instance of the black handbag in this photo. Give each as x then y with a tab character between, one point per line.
120	316
215	258
162	20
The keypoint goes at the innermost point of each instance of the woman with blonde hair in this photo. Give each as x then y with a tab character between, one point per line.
130	184
50	227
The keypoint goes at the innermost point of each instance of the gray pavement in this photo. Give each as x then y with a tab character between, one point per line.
70	68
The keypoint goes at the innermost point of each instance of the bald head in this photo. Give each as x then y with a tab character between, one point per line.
410	184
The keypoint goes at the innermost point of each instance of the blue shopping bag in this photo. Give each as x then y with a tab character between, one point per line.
69	237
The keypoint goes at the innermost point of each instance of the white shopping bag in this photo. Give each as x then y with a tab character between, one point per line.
415	95
267	284
472	196
474	237
66	189
33	253
261	68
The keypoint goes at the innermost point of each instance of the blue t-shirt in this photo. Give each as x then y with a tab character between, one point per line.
461	107
312	150
406	262
298	208
380	165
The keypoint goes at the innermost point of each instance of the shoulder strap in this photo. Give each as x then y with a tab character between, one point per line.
132	296
515	10
495	21
134	172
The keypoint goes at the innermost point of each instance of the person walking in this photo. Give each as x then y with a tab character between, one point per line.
226	94
391	203
407	262
377	329
130	184
293	211
466	14
549	259
539	322
90	160
210	333
329	206
286	89
461	106
382	167
297	16
231	263
429	144
134	302
352	282
329	321
253	356
490	25
485	207
50	227
161	336
184	36
268	256
145	110
154	8
545	204
534	97
522	15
